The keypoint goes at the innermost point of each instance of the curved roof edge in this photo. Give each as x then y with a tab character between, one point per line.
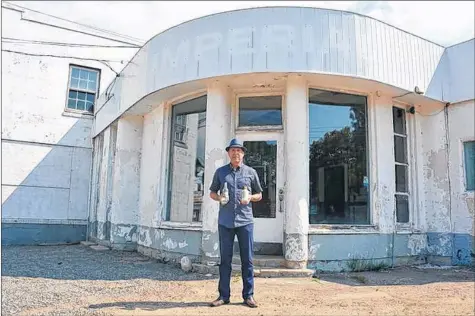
274	39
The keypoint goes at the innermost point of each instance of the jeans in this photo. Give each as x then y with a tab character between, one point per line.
226	243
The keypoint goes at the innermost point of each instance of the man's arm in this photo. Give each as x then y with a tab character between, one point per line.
215	187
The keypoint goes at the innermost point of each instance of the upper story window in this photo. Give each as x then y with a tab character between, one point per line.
260	111
83	88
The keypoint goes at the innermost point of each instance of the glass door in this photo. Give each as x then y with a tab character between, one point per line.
264	153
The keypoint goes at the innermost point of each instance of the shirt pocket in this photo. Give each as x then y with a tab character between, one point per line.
244	181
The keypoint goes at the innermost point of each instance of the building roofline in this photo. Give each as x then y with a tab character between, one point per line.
461	43
288	7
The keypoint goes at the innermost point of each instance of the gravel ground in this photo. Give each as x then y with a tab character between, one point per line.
76	280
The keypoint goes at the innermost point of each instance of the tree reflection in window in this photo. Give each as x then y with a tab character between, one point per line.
338	163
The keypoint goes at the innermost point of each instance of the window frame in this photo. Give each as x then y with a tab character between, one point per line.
464	167
167	157
69	88
410	167
371	147
258	93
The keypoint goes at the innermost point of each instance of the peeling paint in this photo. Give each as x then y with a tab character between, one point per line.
169	244
296	247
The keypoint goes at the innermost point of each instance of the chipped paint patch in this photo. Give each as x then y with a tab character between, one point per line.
439	244
296	247
170	244
417	244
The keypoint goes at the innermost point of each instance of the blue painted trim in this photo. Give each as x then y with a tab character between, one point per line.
35	234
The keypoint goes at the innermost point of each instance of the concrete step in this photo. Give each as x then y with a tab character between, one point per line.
258	272
88	243
99	248
263	261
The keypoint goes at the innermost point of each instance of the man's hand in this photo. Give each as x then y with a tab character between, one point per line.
245	202
218	198
252	198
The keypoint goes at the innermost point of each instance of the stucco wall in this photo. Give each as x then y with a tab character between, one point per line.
47	153
461	118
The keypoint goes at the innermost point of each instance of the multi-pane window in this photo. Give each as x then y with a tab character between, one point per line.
187	161
469	155
401	167
260	111
339	182
83	86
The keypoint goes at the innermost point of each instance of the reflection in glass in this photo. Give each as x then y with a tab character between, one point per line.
262	156
187	162
260	111
338	164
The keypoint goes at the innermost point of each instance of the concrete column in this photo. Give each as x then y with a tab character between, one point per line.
218	122
297	174
126	184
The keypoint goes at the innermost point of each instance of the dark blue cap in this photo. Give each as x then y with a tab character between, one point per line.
235	143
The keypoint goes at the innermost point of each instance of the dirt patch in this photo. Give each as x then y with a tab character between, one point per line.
91	283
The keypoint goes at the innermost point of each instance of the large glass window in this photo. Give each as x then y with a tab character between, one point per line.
260	111
339	181
187	161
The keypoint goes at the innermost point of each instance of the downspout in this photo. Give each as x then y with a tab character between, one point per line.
447	153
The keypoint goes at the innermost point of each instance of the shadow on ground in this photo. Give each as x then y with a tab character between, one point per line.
152	306
416	275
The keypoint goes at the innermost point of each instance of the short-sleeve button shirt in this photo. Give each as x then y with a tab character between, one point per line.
234	214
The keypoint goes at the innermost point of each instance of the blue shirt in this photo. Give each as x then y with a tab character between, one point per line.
235	214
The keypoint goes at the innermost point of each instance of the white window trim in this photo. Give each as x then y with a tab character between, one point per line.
68	110
411	165
164	175
257	92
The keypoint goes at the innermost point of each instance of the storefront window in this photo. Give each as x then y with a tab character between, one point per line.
339	182
187	161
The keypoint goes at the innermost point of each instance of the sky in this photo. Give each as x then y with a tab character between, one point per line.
443	22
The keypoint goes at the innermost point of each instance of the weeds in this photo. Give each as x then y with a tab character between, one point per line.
359	265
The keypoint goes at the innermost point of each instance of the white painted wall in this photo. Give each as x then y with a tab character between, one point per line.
46	152
461	118
151	168
435	183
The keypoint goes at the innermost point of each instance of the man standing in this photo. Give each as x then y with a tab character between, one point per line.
235	218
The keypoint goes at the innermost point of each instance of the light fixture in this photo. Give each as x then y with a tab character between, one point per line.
417	90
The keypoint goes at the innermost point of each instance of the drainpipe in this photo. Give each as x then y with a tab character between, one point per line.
447	153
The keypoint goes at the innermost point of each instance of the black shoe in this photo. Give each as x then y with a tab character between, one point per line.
250	302
218	302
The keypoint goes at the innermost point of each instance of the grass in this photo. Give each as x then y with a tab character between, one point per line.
359	265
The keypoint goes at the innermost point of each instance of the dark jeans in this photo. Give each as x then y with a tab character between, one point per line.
226	243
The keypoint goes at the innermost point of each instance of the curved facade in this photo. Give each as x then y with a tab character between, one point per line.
274	40
354	163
